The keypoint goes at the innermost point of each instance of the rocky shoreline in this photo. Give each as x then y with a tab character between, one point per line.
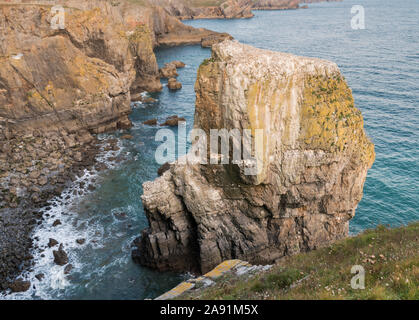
87	75
41	169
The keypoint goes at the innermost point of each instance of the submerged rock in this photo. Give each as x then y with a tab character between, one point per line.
68	268
40	276
309	166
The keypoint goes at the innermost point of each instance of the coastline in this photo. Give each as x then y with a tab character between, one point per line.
48	221
84	156
44	154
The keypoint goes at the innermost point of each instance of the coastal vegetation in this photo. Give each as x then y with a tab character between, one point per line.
390	258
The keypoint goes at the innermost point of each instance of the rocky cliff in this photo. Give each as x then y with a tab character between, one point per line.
76	78
276	4
58	86
311	162
86	71
190	9
231	9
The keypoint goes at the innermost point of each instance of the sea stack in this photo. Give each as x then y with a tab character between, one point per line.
311	167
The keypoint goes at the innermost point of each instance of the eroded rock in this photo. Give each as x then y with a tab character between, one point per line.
310	166
173	84
173	121
20	285
60	256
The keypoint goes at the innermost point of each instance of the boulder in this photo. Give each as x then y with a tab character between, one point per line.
60	256
151	122
52	242
296	191
179	64
20	285
168	71
173	84
172	121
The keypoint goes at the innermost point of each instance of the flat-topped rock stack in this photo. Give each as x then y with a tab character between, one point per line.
311	163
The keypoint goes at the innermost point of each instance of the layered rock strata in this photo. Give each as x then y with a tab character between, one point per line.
311	165
59	85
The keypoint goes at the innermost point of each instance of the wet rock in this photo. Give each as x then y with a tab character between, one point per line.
163	168
56	223
127	137
151	122
68	268
81	241
173	84
40	276
52	242
60	256
20	285
149	100
101	166
120	215
173	121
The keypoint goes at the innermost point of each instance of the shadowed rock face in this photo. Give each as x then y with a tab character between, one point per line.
312	165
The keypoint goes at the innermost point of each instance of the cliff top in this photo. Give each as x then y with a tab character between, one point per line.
389	256
279	64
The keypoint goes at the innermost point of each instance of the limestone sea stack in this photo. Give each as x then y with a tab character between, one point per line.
311	167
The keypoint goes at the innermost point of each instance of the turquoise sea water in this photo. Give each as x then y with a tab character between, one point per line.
381	65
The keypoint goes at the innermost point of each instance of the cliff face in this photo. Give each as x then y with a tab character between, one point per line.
276	4
312	164
185	9
78	78
86	72
57	87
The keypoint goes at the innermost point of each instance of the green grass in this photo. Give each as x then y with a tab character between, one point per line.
390	258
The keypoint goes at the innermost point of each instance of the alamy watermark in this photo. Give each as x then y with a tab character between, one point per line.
358	18
358	280
58	17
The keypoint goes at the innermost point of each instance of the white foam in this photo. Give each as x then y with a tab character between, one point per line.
72	227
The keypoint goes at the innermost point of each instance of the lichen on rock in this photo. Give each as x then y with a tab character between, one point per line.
314	160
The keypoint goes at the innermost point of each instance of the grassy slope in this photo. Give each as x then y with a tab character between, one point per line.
390	258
